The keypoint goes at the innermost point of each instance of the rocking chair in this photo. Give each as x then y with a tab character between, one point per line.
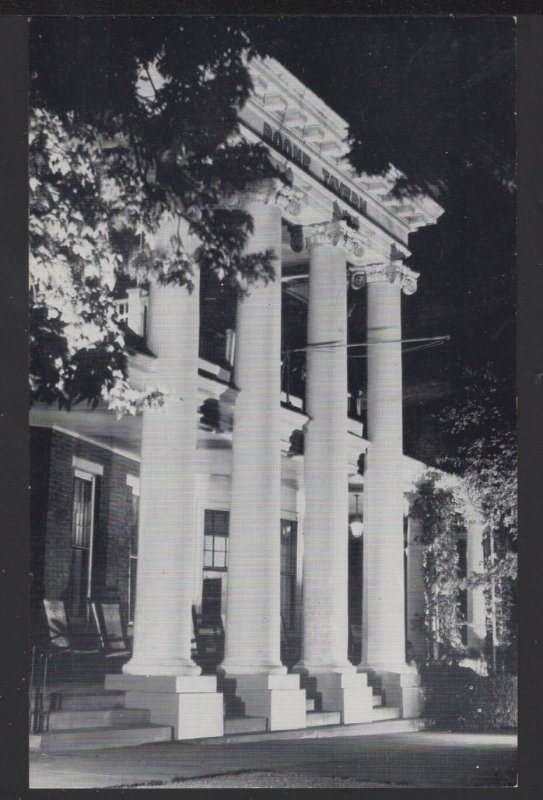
61	644
110	627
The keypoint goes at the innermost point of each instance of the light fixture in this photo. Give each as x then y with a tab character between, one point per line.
357	526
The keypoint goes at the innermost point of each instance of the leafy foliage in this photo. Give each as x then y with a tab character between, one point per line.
481	422
457	698
441	522
146	135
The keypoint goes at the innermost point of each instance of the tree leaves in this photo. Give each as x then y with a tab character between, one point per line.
147	130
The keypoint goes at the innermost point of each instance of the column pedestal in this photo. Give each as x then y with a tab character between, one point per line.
190	704
277	697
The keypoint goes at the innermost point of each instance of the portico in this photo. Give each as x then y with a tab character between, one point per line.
331	229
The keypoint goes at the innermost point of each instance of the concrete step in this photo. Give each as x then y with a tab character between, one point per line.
377	700
386	712
309	683
392	726
235	725
310	704
99	738
83	701
96	718
315	719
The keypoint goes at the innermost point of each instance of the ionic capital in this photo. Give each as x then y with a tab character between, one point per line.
394	272
335	234
270	191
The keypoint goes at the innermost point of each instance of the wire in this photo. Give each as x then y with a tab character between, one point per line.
332	344
409	349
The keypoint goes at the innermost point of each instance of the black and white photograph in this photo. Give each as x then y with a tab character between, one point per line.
273	401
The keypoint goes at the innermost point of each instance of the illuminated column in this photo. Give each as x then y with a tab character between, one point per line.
253	611
326	522
383	631
162	630
161	675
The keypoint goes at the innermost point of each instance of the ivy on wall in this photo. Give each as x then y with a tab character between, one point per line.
440	514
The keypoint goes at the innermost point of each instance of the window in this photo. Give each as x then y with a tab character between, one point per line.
216	540
84	488
133	514
82	510
288	573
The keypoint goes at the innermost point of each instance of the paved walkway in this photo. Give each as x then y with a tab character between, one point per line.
423	759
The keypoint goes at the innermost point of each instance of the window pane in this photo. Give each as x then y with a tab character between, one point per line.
133	523
216	539
82	513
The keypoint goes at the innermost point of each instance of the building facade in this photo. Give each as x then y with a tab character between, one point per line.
238	491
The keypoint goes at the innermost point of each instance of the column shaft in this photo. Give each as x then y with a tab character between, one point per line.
253	632
383	633
168	524
326	523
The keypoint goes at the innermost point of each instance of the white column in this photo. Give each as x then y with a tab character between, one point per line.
326	467
161	675
253	609
253	606
168	523
476	599
383	626
326	523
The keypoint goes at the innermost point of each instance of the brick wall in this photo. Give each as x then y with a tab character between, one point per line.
111	532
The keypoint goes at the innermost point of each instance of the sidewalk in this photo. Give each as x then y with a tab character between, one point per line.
423	759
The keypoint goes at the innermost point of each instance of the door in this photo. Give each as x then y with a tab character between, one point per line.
288	573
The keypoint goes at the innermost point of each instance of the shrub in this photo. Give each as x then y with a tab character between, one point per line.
457	698
494	704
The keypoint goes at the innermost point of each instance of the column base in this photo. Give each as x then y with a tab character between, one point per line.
277	697
167	668
231	669
190	704
402	688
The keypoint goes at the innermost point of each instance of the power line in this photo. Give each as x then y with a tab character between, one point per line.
332	344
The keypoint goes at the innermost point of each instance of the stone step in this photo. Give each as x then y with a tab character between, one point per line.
392	726
96	718
377	700
315	719
385	712
235	725
310	704
309	683
83	701
99	738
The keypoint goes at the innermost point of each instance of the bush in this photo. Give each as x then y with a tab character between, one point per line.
494	704
457	698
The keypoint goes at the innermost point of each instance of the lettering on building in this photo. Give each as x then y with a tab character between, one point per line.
296	154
